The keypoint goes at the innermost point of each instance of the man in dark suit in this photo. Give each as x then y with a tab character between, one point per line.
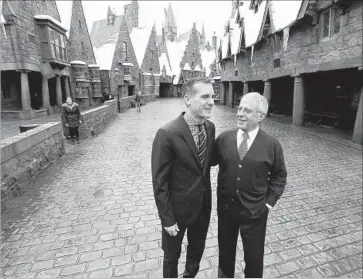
251	178
180	162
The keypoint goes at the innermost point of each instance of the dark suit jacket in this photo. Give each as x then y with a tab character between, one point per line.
179	180
259	178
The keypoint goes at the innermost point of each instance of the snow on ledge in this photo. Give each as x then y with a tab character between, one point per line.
127	64
217	77
78	62
92	65
47	17
147	74
157	75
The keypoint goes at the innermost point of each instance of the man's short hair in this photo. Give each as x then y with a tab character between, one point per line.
188	87
257	98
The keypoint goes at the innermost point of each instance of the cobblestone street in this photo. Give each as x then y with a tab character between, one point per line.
93	215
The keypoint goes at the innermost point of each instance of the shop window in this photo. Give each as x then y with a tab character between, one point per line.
329	22
58	46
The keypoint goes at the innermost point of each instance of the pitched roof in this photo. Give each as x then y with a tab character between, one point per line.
176	51
163	61
2	19
187	67
253	22
225	45
140	37
104	55
283	13
104	33
208	58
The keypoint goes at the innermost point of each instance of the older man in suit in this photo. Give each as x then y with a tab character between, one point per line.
251	178
181	158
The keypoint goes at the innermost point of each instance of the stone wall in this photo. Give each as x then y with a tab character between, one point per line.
306	51
95	120
25	156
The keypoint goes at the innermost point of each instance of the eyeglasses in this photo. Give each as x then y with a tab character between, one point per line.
246	110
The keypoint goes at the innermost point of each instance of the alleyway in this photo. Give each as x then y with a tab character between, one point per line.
93	213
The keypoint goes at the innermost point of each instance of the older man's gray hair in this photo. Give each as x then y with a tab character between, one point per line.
257	98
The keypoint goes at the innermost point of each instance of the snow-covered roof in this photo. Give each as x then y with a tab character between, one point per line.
65	13
156	75
177	76
104	33
2	19
217	77
140	38
47	17
224	45
78	62
127	64
197	69
187	67
175	51
208	58
163	61
235	38
253	22
283	13
147	74
104	55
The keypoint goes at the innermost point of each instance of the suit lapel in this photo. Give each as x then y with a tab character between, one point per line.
233	143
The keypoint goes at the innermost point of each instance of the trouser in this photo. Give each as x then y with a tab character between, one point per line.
234	218
74	133
197	234
138	106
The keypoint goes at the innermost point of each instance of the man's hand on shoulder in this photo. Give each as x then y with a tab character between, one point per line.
173	230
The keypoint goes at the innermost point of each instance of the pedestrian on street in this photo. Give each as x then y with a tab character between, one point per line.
71	116
181	160
251	178
138	100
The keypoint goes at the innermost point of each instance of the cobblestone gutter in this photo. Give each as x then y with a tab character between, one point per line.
25	156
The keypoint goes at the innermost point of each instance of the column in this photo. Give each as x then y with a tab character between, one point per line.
59	91
357	133
25	94
45	93
267	92
245	88
230	95
298	112
221	96
67	87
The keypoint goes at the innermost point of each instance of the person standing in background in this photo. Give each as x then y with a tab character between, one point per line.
71	116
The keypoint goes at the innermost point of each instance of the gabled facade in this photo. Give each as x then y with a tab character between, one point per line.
84	79
33	59
305	57
144	43
125	74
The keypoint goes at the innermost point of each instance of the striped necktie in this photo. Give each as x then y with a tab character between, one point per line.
243	148
202	143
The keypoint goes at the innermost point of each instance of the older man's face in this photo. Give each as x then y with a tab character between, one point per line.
248	116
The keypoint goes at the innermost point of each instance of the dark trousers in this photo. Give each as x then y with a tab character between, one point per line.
234	218
73	132
197	234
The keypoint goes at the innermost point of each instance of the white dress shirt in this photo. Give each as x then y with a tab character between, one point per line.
250	140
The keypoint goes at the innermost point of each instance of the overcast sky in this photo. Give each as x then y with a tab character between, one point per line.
212	13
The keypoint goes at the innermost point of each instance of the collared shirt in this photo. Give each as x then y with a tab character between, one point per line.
193	126
252	136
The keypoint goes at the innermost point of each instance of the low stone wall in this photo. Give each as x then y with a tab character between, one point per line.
128	102
95	120
25	156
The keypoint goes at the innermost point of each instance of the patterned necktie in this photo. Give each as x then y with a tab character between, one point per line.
243	148
202	143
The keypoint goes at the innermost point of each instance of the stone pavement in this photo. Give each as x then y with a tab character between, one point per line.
93	213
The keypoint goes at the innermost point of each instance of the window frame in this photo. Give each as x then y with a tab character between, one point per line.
124	51
331	23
